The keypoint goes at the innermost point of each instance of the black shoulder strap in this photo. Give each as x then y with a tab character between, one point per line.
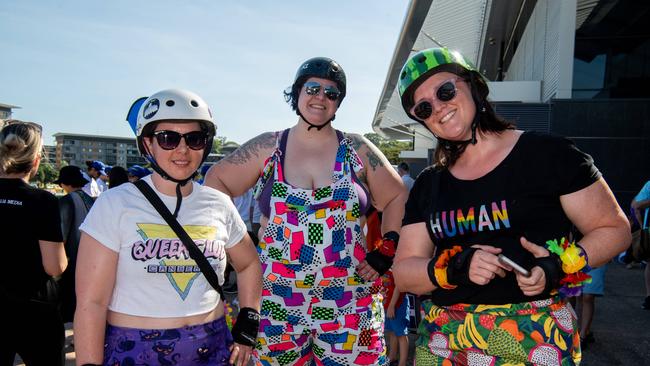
195	252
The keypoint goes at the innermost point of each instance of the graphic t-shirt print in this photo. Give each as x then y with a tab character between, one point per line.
164	254
488	217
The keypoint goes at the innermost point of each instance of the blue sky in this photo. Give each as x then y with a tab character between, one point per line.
76	66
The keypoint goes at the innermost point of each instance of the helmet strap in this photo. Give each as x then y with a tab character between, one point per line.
179	182
311	125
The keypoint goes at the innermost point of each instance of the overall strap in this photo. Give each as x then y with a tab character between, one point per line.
270	164
194	251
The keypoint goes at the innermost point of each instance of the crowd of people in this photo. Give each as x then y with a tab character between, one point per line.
323	235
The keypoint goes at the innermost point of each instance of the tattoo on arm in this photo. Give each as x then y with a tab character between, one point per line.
250	149
374	160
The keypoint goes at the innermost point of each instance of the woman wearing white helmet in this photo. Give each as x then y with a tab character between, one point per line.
141	298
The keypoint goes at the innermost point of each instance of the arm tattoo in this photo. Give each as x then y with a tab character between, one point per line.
251	148
374	160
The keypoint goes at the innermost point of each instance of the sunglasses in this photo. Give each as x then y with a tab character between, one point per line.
169	140
444	93
313	88
22	124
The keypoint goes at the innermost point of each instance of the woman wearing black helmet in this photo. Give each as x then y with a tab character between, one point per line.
495	191
315	185
142	298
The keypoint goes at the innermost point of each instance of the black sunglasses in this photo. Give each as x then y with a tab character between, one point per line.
169	140
313	88
445	92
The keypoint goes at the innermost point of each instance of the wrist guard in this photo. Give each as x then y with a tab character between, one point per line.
379	262
246	326
552	267
389	244
458	270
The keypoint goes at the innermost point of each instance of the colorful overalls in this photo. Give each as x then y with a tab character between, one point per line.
315	308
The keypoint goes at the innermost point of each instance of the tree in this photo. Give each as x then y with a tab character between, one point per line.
217	143
46	173
390	148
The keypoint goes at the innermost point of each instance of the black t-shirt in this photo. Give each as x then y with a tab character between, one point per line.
520	197
27	215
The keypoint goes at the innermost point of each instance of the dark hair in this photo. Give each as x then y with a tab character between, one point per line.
117	176
404	166
486	119
318	67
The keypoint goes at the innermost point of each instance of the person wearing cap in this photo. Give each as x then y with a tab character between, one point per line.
494	190
142	298
32	252
97	173
320	300
73	208
136	172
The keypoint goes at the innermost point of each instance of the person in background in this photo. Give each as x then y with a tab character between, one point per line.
136	172
641	207
73	207
320	297
587	303
116	176
405	172
142	299
97	172
32	248
202	173
496	190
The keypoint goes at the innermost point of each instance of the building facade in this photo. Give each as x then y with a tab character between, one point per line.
6	110
76	149
577	68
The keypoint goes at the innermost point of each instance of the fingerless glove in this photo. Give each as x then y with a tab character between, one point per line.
381	259
246	327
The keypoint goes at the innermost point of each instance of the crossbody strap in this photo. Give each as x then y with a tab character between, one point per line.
195	252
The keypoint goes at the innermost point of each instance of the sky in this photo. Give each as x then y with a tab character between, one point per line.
76	66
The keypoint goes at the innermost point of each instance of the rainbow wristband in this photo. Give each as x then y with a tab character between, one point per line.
575	265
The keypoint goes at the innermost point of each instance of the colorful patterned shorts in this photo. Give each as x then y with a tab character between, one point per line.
541	332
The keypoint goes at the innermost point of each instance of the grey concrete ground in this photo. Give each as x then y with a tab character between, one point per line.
620	326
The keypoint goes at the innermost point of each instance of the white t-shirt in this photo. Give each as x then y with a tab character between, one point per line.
155	275
243	204
95	187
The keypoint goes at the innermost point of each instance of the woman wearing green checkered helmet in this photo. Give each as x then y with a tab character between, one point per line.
495	191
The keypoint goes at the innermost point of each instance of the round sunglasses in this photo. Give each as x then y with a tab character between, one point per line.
313	88
169	140
444	93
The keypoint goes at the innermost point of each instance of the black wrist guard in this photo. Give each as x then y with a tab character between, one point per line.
431	272
458	269
552	267
246	327
379	262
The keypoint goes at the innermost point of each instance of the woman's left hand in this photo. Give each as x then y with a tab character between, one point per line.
536	282
240	354
366	271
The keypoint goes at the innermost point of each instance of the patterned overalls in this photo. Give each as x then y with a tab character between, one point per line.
315	308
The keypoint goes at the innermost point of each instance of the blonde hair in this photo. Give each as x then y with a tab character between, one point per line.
20	144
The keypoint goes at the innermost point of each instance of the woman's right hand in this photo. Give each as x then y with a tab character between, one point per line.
485	264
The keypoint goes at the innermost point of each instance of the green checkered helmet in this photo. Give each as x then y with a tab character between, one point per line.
431	61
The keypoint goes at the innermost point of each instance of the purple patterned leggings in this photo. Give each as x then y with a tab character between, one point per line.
202	344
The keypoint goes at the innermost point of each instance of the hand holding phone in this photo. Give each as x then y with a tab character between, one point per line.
509	262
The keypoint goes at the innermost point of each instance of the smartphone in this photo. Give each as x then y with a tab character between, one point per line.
507	261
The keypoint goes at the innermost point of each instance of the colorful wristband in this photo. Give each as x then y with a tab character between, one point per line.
441	265
389	244
575	266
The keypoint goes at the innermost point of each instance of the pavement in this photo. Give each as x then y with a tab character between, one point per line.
620	326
